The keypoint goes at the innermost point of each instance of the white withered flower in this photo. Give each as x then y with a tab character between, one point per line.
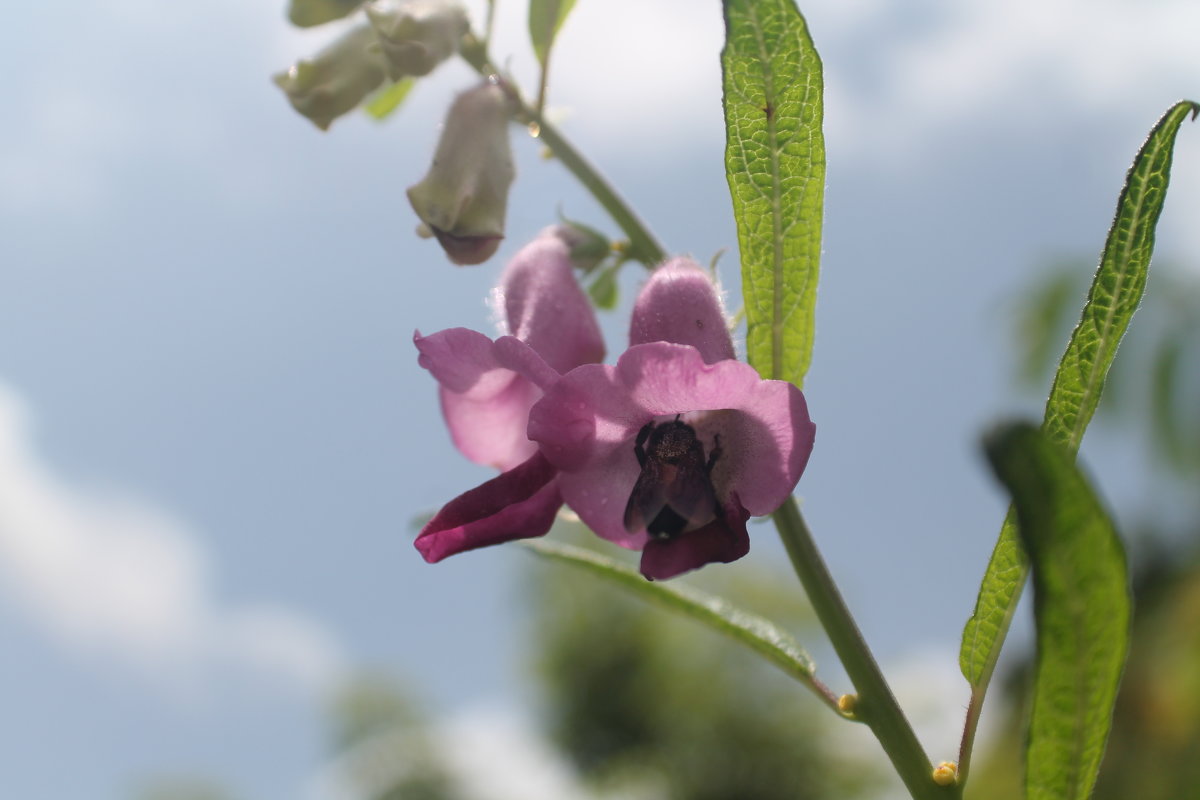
464	197
336	79
417	35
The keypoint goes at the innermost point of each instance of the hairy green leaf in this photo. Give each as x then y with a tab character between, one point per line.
1081	606
775	165
751	630
1114	296
385	101
546	18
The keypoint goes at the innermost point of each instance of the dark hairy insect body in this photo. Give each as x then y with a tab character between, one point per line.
674	492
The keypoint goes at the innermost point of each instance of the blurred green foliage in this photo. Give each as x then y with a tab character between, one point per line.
1154	748
648	703
383	745
1153	388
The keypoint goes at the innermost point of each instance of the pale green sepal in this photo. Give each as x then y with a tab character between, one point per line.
589	247
604	290
384	102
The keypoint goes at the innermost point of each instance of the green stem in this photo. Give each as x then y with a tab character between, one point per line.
979	690
487	26
876	706
643	246
974	708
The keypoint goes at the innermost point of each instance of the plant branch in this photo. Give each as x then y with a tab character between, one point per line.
643	246
875	705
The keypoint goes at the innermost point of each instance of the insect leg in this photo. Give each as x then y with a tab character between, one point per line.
639	445
714	454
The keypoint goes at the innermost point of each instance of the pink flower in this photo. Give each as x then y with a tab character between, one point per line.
675	447
487	388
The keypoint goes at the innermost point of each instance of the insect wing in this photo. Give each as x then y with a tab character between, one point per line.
685	488
647	498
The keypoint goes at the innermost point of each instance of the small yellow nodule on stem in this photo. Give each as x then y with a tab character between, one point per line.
945	773
846	704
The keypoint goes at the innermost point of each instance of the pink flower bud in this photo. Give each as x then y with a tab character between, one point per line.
680	304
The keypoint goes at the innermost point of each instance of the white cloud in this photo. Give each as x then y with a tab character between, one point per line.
495	754
107	575
632	68
488	753
53	157
989	62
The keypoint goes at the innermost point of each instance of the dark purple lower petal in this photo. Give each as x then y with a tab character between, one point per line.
722	540
518	504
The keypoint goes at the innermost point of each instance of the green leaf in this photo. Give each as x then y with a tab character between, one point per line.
603	290
1116	291
775	165
381	104
751	630
1118	286
1081	606
546	18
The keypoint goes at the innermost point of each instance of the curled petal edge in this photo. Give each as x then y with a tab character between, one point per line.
518	504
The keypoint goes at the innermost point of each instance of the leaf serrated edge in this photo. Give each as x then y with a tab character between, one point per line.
978	672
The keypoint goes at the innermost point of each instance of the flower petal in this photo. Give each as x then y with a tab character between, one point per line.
765	441
518	504
680	304
722	540
585	414
545	307
587	423
485	404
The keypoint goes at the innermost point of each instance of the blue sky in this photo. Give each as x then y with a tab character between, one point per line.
213	432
